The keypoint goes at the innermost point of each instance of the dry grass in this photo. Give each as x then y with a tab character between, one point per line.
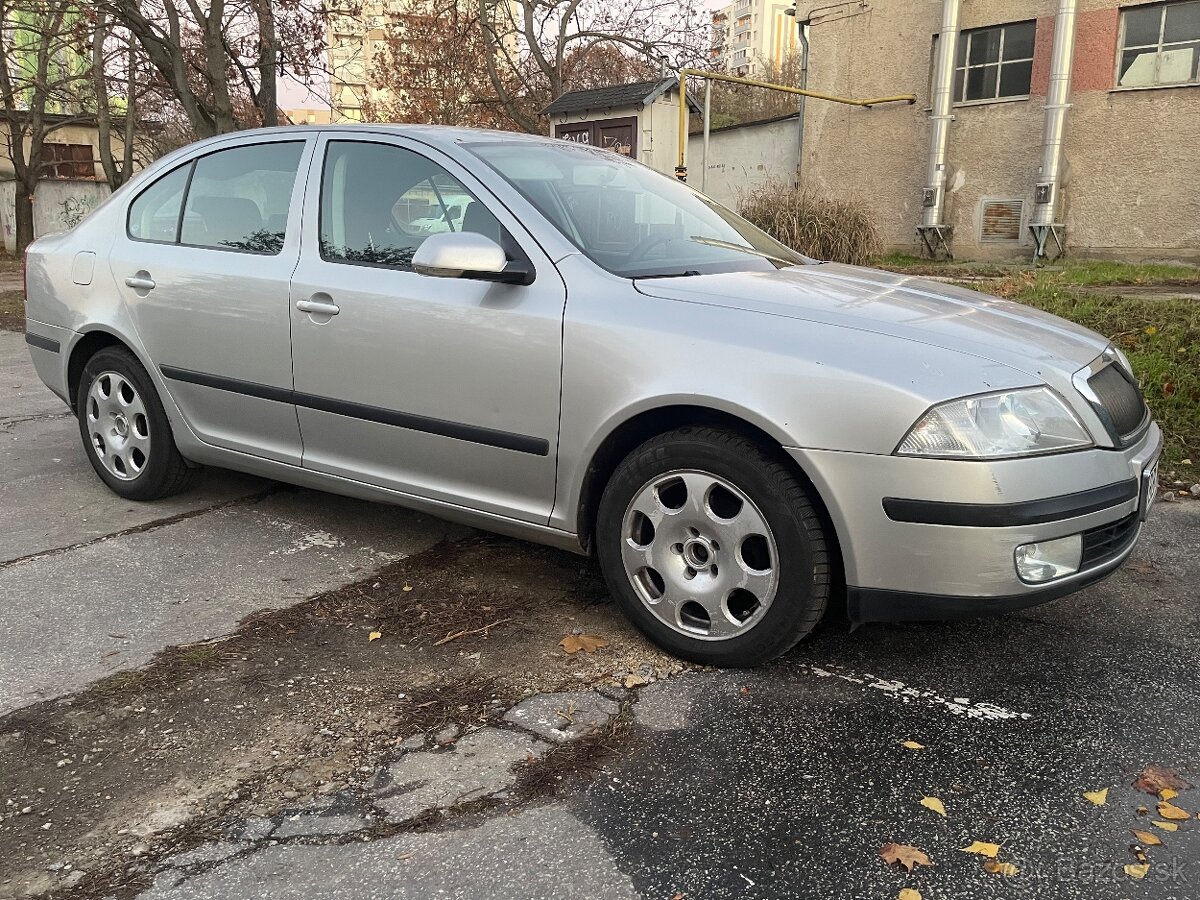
812	223
12	310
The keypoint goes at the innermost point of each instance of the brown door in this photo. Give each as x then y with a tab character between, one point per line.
618	135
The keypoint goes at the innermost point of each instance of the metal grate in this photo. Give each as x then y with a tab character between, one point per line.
1119	398
1108	541
1001	221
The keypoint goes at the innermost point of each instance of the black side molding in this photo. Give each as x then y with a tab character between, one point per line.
45	343
475	434
1008	515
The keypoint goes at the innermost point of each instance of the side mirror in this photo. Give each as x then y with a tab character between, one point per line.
464	254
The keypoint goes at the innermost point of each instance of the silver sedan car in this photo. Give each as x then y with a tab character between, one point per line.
591	355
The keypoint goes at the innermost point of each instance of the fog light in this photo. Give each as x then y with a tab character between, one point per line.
1048	560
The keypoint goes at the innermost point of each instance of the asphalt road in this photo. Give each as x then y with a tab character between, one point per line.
778	783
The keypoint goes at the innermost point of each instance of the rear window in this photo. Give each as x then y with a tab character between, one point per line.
154	215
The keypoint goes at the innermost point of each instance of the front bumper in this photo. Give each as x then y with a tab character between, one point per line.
932	539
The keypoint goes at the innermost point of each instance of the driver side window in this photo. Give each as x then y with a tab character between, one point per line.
379	203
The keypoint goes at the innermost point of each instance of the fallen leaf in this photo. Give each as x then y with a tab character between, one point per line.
1141	810
983	848
406	588
374	636
1146	837
1137	872
1167	794
935	804
588	643
904	855
908	894
1170	811
1151	331
678	895
1168	389
1099	797
1165	826
1156	779
995	867
635	680
912	745
1140	854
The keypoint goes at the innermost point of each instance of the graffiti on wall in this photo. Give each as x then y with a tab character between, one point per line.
73	210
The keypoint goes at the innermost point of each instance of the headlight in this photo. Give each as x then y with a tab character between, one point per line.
991	426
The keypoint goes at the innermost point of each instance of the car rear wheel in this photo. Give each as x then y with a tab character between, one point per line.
125	430
713	547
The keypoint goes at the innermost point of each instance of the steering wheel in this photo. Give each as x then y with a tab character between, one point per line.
638	253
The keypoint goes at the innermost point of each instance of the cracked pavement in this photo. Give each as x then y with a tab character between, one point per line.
291	757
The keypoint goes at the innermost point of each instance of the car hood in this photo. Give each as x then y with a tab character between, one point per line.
929	312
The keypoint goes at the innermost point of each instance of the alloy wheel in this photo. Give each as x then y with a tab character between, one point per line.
700	555
118	426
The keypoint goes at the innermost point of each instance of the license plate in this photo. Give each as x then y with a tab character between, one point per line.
1149	488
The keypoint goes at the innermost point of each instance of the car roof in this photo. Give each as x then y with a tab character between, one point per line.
432	134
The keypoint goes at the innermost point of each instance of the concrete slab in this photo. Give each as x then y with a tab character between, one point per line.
73	617
564	716
22	393
478	765
543	852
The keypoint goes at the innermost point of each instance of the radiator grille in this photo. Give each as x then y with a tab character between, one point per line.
1108	541
1119	398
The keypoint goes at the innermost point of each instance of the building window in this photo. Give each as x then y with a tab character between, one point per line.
1160	45
68	161
994	63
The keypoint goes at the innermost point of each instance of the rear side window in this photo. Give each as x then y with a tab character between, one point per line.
239	198
154	215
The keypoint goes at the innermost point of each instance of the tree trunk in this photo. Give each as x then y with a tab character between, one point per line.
24	215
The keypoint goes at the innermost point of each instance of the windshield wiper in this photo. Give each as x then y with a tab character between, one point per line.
687	274
741	248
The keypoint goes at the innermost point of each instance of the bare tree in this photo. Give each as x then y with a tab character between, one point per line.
537	46
221	59
428	69
733	104
43	78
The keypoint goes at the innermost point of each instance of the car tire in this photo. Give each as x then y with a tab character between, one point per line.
768	534
125	431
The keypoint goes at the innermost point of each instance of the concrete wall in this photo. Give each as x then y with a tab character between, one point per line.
743	157
1132	167
67	134
58	205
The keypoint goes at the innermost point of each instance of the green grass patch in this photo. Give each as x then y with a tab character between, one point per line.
1162	340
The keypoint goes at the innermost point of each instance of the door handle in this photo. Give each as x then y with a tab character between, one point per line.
318	307
140	282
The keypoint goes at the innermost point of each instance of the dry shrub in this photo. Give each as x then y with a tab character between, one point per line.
813	223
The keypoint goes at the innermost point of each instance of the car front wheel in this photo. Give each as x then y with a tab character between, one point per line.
713	546
125	430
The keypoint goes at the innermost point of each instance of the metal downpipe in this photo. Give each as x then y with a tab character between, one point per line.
1045	224
801	26
933	230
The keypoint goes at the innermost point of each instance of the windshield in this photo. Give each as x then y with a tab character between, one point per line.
630	219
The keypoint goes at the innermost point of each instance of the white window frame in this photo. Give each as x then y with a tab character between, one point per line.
965	42
1159	48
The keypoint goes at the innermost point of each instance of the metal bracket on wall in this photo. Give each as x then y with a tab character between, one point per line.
1042	235
936	239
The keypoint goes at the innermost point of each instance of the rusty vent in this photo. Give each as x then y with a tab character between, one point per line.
1002	220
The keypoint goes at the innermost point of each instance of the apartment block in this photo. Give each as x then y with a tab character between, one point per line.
750	37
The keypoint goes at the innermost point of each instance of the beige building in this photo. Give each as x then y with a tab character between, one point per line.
752	36
1128	184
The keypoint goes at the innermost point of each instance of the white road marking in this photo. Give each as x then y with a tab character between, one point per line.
897	690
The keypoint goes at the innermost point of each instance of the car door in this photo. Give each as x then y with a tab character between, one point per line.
204	265
446	389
